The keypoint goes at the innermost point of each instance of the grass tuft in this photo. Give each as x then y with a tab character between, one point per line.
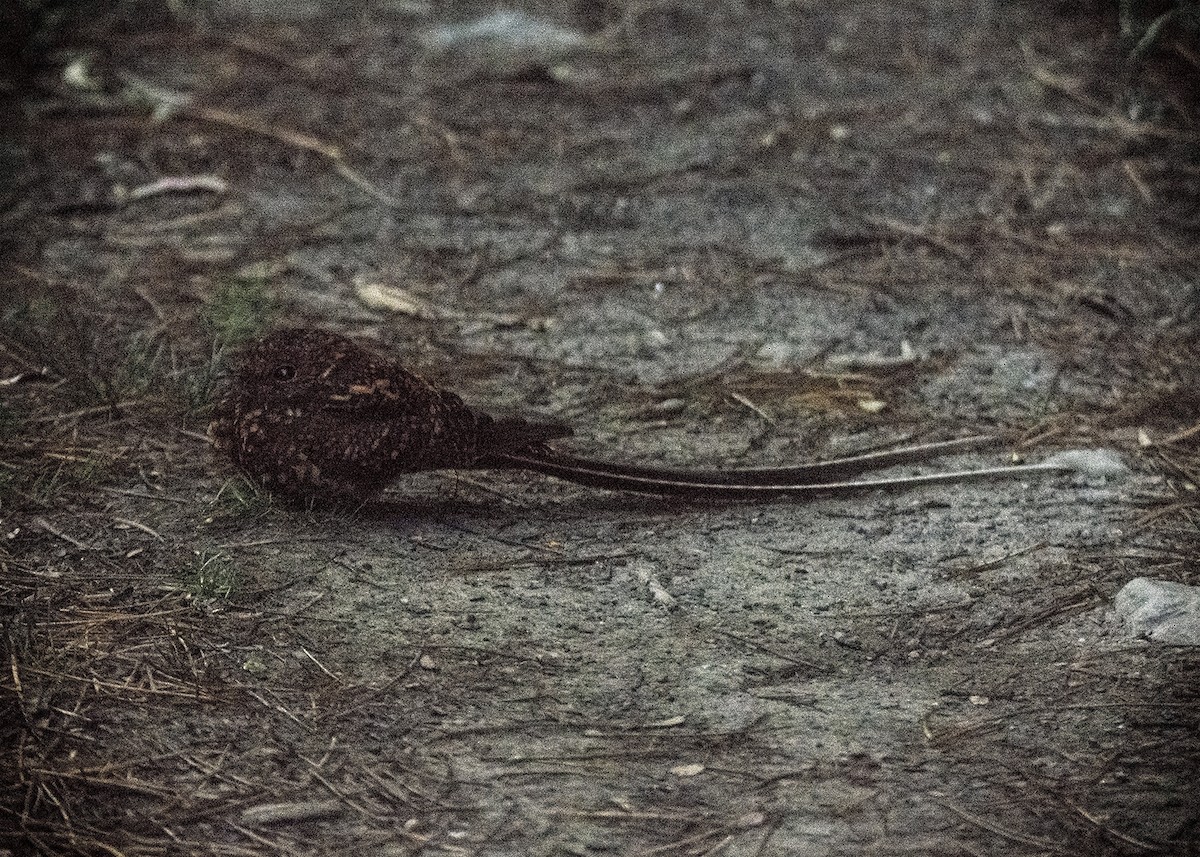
239	498
242	309
213	576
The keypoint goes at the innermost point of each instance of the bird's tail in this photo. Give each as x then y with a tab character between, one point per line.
824	478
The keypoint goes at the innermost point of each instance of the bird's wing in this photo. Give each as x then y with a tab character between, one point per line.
379	394
407	398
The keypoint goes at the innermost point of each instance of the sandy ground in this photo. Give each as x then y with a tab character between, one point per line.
691	233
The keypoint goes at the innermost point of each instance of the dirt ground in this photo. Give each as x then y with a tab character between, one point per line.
721	233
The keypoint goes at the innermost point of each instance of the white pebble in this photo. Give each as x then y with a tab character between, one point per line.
1089	462
1162	610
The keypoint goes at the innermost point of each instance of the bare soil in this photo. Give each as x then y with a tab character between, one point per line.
690	238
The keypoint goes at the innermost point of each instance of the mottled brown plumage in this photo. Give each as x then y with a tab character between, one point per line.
313	416
309	415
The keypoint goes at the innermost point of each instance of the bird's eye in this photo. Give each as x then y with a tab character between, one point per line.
285	373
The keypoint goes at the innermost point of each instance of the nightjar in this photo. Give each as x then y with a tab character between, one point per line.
309	414
314	416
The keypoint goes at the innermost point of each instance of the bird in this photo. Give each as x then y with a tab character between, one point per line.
315	417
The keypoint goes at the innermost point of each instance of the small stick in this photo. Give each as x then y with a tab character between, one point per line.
55	531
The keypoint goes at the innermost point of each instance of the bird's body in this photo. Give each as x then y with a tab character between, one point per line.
313	416
310	415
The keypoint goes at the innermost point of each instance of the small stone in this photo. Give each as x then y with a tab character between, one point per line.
1161	610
